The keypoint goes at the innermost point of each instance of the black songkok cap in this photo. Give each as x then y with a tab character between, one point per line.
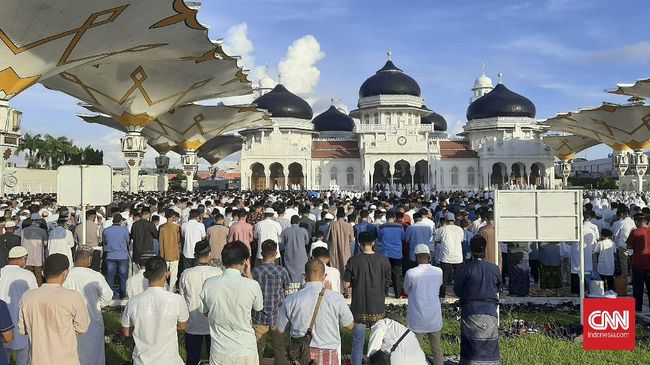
478	244
202	247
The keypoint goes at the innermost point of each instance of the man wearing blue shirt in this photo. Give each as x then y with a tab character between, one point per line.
363	226
390	236
416	234
116	240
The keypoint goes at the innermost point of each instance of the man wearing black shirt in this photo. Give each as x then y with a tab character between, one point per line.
8	240
143	232
369	274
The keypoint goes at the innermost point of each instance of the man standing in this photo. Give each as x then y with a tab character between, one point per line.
169	236
193	232
93	237
639	241
143	232
154	317
487	232
61	240
621	229
306	221
333	313
228	301
368	274
424	315
241	230
273	280
339	236
390	237
190	286
51	315
477	285
332	274
295	243
451	250
96	293
416	234
217	235
8	240
15	281
116	246
364	226
268	229
34	239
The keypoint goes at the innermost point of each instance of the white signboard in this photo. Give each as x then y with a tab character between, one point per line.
87	185
538	215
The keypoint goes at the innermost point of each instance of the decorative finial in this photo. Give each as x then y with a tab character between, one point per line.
500	78
389	53
332	99
483	66
279	78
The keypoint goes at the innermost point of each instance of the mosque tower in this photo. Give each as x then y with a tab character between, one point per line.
482	85
265	84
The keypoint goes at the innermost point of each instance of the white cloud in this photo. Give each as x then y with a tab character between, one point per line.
298	67
633	53
540	45
237	43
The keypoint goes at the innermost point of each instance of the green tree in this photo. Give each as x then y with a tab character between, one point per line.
31	144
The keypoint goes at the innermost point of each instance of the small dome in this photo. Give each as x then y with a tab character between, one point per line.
483	81
501	102
333	120
390	80
282	103
438	121
266	82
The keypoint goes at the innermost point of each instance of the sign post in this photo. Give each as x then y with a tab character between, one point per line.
84	185
540	216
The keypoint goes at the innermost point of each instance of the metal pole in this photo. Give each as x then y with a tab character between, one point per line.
83	207
497	250
582	256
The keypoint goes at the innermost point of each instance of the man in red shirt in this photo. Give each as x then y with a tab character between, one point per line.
639	242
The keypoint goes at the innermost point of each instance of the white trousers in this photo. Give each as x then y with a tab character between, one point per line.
172	266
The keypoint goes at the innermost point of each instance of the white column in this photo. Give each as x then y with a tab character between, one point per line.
412	176
134	145
267	175
285	171
190	162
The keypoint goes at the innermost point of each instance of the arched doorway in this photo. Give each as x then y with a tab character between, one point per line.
296	176
499	175
258	177
381	175
277	176
537	173
518	175
402	173
421	176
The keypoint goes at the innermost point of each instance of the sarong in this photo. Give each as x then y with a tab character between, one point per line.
550	277
325	356
519	277
479	340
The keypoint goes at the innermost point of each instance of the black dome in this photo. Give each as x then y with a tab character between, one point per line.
282	103
390	80
333	120
501	102
438	121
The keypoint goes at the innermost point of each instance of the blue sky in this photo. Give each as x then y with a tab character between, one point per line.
560	54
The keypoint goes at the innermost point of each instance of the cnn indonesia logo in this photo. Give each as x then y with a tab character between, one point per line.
609	324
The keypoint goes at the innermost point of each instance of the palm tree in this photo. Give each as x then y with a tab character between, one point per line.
32	144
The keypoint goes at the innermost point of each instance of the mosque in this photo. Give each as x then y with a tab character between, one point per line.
392	140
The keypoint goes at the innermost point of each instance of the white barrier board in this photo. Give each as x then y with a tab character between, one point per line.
538	215
90	185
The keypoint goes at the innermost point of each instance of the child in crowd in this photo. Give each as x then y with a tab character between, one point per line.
605	250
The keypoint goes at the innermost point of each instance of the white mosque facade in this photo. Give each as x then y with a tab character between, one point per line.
392	140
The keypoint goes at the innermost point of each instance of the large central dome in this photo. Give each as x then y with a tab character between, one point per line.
282	103
501	102
389	80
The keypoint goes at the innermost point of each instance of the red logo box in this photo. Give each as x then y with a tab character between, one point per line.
609	324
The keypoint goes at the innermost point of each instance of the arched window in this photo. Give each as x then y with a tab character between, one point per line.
471	179
388	118
334	175
454	176
317	176
442	176
375	118
366	118
350	175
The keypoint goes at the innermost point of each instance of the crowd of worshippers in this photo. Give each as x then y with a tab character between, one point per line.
249	265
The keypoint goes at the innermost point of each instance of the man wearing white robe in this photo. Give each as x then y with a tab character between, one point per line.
96	293
61	240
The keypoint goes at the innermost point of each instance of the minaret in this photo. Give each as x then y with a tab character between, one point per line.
265	84
482	85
